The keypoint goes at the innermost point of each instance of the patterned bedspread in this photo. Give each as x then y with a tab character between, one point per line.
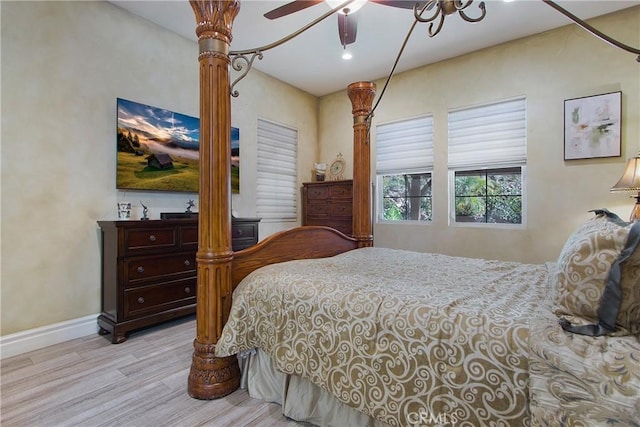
408	338
582	381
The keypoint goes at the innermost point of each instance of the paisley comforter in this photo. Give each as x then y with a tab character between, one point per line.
408	338
581	381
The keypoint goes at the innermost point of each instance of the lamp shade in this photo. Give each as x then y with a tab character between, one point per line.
630	180
351	7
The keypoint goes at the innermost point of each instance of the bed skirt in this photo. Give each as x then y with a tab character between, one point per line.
299	398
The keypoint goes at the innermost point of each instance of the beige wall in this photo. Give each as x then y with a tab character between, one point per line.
547	68
63	66
65	63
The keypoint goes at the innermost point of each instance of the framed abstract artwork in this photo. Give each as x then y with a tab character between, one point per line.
592	126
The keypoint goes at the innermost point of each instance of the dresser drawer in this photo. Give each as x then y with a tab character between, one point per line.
318	193
244	231
156	298
166	267
340	209
318	209
143	239
341	192
189	237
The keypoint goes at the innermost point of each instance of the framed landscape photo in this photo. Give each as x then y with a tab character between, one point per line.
592	126
158	149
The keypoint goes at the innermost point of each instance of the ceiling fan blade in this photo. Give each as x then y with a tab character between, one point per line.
402	4
347	28
289	8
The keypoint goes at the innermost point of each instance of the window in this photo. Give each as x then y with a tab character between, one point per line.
277	186
404	160
489	195
406	197
487	157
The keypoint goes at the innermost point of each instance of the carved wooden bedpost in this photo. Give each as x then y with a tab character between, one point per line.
212	377
361	95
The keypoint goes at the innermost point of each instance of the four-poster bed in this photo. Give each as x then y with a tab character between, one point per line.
524	330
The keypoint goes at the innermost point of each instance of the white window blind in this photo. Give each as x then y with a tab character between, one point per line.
488	135
277	186
405	146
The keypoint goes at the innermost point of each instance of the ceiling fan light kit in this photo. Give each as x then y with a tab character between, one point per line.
352	7
347	22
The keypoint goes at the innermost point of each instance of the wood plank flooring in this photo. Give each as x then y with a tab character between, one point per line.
141	382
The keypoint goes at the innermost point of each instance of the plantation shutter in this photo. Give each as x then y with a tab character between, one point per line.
489	135
277	186
405	146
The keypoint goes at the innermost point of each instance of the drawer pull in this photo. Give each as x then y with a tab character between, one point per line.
187	263
140	300
140	269
187	290
152	238
239	232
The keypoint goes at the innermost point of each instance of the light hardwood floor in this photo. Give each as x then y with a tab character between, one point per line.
141	382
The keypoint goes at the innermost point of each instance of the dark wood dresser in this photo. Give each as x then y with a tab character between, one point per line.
328	203
149	271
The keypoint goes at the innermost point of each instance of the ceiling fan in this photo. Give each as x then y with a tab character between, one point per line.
347	22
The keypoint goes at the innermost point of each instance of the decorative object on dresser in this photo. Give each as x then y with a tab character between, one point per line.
320	170
337	167
328	203
124	210
149	270
145	212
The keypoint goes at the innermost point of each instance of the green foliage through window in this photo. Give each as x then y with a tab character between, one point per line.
489	195
406	197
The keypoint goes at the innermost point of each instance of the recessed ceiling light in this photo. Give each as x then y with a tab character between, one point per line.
346	56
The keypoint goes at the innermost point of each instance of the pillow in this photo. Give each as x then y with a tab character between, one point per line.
591	257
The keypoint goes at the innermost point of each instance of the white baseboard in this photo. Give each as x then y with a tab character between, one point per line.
34	339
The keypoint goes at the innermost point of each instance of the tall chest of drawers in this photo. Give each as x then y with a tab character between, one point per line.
149	271
328	203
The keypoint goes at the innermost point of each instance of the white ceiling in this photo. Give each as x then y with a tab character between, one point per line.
312	61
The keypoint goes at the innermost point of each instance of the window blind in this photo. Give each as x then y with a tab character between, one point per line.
277	186
405	146
488	135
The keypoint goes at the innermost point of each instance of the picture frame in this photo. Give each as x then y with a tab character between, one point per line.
158	149
592	126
